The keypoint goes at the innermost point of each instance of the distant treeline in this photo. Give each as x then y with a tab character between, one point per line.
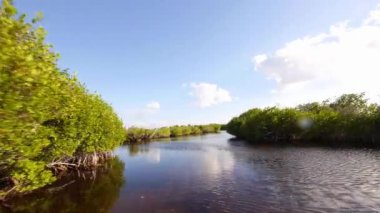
135	134
49	122
348	120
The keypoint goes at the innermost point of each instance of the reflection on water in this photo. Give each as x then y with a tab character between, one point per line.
216	162
210	173
135	149
213	174
94	191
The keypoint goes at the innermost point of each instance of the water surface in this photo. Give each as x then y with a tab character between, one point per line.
211	173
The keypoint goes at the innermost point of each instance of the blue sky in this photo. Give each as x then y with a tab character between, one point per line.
176	62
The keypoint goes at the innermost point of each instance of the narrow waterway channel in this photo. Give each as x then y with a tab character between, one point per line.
213	173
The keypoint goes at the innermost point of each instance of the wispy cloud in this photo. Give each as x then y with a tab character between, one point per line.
207	94
343	59
143	116
154	105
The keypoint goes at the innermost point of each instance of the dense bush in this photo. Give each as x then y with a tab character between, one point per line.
211	128
46	116
349	119
98	190
176	131
135	134
163	132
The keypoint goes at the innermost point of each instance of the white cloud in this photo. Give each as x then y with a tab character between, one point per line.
207	94
154	105
143	116
344	59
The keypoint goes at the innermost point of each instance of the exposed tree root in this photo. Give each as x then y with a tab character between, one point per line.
83	164
84	161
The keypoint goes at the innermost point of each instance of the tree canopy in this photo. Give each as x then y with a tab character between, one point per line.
135	134
349	119
46	114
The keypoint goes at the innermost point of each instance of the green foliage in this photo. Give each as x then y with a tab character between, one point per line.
163	132
186	130
98	191
350	118
135	134
211	128
175	131
196	130
32	174
45	114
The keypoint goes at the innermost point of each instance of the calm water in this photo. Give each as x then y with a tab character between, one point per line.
213	174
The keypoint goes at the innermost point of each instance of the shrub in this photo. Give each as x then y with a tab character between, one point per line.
46	115
349	118
135	134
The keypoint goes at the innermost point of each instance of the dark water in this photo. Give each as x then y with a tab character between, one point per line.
212	174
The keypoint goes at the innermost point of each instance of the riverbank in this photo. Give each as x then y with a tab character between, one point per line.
49	121
85	164
348	120
77	191
138	135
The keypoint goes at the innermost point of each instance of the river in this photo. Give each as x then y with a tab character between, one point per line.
212	173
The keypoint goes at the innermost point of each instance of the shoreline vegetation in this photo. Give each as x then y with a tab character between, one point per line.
50	123
138	135
98	188
349	120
